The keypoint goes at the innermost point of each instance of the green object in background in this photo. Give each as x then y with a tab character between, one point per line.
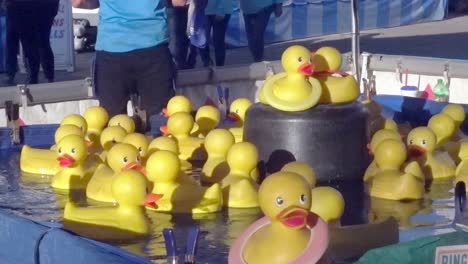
441	90
417	251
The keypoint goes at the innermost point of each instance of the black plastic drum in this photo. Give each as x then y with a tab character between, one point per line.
330	138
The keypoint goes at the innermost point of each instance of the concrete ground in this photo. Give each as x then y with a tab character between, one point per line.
443	39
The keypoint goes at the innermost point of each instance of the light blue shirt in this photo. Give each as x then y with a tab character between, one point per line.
254	6
126	25
219	7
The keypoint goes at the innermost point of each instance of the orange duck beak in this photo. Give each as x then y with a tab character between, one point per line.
134	166
306	69
152	200
294	217
416	152
233	117
164	130
66	161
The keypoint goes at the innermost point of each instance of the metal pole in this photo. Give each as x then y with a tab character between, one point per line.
355	39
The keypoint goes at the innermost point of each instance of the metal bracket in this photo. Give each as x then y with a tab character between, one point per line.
12	117
399	71
446	74
24	95
89	83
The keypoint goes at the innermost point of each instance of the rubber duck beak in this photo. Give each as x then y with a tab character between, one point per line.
233	117
416	151
165	113
306	69
164	130
66	160
294	217
134	166
152	199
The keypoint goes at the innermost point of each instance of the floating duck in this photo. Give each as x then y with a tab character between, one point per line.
378	137
443	127
44	161
402	211
169	144
328	202
217	144
453	145
395	181
207	118
239	189
421	143
292	90
126	220
163	170
176	104
237	112
179	126
457	113
97	118
77	120
139	141
123	121
72	154
121	157
109	137
335	90
301	236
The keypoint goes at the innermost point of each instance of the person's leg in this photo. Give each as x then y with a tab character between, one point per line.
12	45
205	52
47	12
178	40
219	33
112	82
259	28
154	79
26	20
249	21
192	57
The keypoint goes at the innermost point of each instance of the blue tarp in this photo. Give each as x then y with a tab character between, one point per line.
27	242
308	18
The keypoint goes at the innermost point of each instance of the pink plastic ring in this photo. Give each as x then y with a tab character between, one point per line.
317	246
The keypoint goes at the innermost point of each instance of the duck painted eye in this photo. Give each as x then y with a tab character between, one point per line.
279	201
73	150
125	159
299	59
118	124
303	199
237	111
138	159
411	142
114	141
60	150
140	149
423	142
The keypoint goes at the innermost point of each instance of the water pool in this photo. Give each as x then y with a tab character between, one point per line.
32	197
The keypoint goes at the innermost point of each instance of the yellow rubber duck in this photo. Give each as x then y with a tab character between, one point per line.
217	144
163	170
121	157
237	112
285	199
239	189
44	161
443	127
179	126
72	154
292	90
126	220
421	143
178	103
395	181
457	113
207	118
77	120
97	118
123	121
453	145
169	144
109	137
328	202
378	137
381	209
335	90
139	141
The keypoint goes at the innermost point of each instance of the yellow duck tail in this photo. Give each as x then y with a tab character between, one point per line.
241	194
38	161
404	187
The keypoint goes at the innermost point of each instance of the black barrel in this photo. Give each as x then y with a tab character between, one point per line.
330	138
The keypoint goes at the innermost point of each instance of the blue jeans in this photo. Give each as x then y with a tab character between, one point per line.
178	40
255	27
219	32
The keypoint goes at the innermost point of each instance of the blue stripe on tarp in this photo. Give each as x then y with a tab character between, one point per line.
2	43
330	10
428	8
361	14
298	13
34	135
406	15
383	11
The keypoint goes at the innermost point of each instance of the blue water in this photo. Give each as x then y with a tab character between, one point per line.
32	197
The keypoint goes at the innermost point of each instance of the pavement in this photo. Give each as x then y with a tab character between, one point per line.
442	39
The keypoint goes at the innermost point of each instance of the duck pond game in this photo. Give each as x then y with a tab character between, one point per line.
311	173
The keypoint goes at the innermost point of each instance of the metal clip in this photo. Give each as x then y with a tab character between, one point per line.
89	83
399	71
24	92
446	74
12	116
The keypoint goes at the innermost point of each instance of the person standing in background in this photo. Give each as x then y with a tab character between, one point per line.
132	55
178	40
256	16
32	20
11	47
217	14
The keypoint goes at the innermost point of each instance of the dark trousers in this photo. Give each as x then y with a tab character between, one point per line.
147	72
12	46
255	27
219	32
33	22
178	40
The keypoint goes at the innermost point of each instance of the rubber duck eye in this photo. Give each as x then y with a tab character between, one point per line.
279	201
140	149
411	142
118	124
73	150
424	142
138	159
303	199
60	150
113	141
300	59
125	159
237	111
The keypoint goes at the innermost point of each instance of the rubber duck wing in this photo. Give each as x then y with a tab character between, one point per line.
444	157
414	169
